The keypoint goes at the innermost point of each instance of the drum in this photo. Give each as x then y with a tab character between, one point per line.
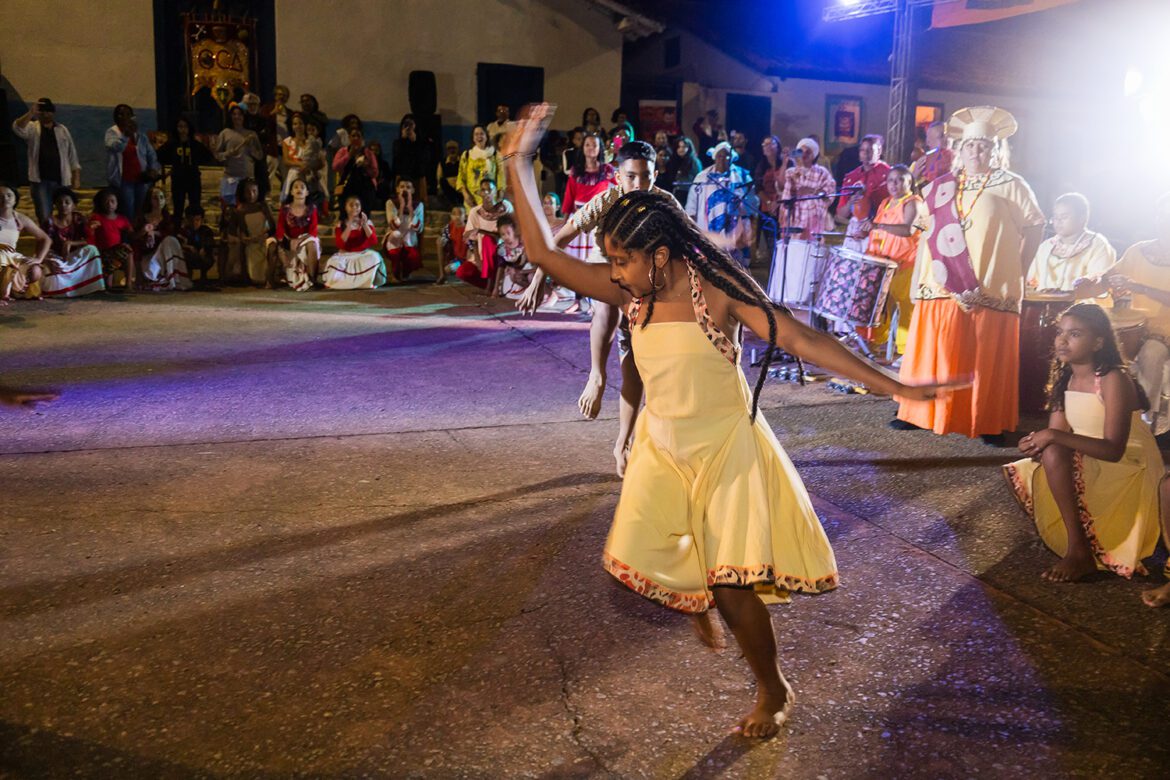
805	261
1130	327
1038	316
854	288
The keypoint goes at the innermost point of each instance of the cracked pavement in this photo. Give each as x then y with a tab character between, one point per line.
358	535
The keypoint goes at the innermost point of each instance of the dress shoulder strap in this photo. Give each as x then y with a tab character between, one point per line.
716	336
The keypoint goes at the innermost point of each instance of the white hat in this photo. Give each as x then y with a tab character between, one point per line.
986	123
809	143
725	146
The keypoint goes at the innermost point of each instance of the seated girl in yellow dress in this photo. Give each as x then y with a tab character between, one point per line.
712	511
1090	481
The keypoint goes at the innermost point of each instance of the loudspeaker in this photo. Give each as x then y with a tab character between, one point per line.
421	91
9	162
430	130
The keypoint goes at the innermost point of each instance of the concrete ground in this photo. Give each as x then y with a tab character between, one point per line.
358	534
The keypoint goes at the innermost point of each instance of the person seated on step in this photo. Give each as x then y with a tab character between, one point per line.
405	217
198	243
73	266
357	264
482	235
247	228
111	232
19	274
158	253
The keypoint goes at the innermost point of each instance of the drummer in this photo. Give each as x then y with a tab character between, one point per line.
807	179
895	237
1073	257
1142	276
868	184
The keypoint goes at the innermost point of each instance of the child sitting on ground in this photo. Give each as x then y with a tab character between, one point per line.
452	245
1090	481
198	242
111	233
514	272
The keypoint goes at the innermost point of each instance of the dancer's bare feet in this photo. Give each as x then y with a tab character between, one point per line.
590	401
1075	565
709	630
770	713
1157	597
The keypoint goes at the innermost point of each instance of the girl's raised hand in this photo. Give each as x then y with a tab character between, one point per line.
524	140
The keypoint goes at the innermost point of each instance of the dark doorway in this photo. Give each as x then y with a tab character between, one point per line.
750	115
510	85
171	71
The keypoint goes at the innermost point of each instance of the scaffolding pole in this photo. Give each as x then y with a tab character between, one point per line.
903	89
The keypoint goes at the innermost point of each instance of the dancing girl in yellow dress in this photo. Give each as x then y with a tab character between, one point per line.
712	511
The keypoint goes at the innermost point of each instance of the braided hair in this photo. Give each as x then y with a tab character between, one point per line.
1105	360
651	219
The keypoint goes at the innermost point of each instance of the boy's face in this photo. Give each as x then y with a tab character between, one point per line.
635	175
508	235
196	221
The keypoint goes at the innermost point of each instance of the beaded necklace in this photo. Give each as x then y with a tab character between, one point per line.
964	215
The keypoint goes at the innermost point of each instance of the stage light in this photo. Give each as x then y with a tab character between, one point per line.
1133	81
848	3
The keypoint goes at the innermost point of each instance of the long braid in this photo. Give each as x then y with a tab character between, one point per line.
647	220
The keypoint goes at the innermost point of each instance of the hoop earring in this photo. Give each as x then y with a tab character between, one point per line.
654	288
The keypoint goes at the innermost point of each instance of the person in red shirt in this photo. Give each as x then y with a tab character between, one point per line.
298	247
111	233
868	183
357	265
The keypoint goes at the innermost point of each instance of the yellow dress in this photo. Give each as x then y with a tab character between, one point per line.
1118	502
709	497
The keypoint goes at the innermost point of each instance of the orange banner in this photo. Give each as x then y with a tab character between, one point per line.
960	12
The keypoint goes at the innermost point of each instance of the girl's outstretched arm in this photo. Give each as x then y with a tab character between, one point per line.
519	146
799	339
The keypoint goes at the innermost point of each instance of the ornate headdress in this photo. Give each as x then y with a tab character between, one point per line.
984	123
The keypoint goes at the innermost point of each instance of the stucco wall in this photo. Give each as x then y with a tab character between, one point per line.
355	55
373	49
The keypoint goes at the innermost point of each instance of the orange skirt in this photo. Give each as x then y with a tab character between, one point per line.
948	344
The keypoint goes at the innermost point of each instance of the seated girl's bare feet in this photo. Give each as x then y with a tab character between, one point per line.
709	630
590	401
770	713
1157	597
1075	565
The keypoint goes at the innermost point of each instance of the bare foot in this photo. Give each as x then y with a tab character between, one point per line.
709	630
770	713
590	401
1157	597
1075	565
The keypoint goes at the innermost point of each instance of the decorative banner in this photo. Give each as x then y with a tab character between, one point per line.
218	56
655	115
960	12
842	122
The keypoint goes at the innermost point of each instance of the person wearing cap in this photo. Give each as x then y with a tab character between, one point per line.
716	199
52	157
805	179
984	227
867	188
